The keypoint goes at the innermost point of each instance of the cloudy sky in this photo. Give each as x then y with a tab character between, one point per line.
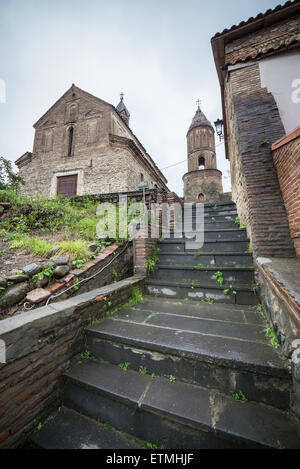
157	52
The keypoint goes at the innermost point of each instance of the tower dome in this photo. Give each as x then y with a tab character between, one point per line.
122	110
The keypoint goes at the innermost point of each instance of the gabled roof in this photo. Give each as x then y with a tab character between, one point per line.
75	89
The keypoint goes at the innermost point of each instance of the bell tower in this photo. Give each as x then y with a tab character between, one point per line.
203	182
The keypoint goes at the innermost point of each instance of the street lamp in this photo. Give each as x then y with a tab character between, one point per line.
219	128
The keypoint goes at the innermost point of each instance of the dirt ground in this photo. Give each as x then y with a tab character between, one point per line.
11	260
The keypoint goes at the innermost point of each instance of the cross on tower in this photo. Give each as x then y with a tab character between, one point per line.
198	102
122	96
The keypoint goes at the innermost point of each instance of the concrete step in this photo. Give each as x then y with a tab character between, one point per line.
68	429
180	415
237	294
216	247
244	275
216	346
223	259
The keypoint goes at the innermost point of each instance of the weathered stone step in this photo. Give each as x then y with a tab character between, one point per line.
68	429
228	234
238	294
220	206
216	247
208	259
208	225
221	212
216	216
180	415
244	275
197	343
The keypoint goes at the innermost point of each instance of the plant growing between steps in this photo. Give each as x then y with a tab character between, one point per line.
135	298
270	334
208	300
152	261
238	223
142	370
219	278
87	356
124	366
239	396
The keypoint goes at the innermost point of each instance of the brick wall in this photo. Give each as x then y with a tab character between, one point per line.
286	156
253	117
41	345
149	233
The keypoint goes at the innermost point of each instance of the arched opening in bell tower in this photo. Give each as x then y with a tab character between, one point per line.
201	162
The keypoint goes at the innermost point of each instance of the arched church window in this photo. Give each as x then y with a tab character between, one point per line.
142	177
70	141
201	162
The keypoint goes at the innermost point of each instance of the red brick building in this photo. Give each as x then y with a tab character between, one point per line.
258	64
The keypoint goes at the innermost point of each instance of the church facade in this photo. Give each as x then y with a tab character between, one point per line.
84	145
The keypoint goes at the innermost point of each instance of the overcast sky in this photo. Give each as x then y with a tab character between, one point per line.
157	52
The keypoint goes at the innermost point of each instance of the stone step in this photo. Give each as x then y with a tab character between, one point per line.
238	294
216	247
216	346
207	259
209	225
228	234
180	415
233	293
68	429
220	206
244	275
221	212
211	218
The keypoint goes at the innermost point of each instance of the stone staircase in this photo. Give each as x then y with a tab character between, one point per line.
188	368
188	273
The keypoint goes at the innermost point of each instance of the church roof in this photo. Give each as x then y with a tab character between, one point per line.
200	120
121	107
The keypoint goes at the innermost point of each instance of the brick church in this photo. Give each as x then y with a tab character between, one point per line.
84	145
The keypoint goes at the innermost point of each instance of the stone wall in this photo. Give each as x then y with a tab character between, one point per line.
254	123
286	156
25	291
207	182
40	346
279	290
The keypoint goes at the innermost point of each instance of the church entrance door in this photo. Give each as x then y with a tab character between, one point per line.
67	186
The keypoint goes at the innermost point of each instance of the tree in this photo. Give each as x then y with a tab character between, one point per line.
8	179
